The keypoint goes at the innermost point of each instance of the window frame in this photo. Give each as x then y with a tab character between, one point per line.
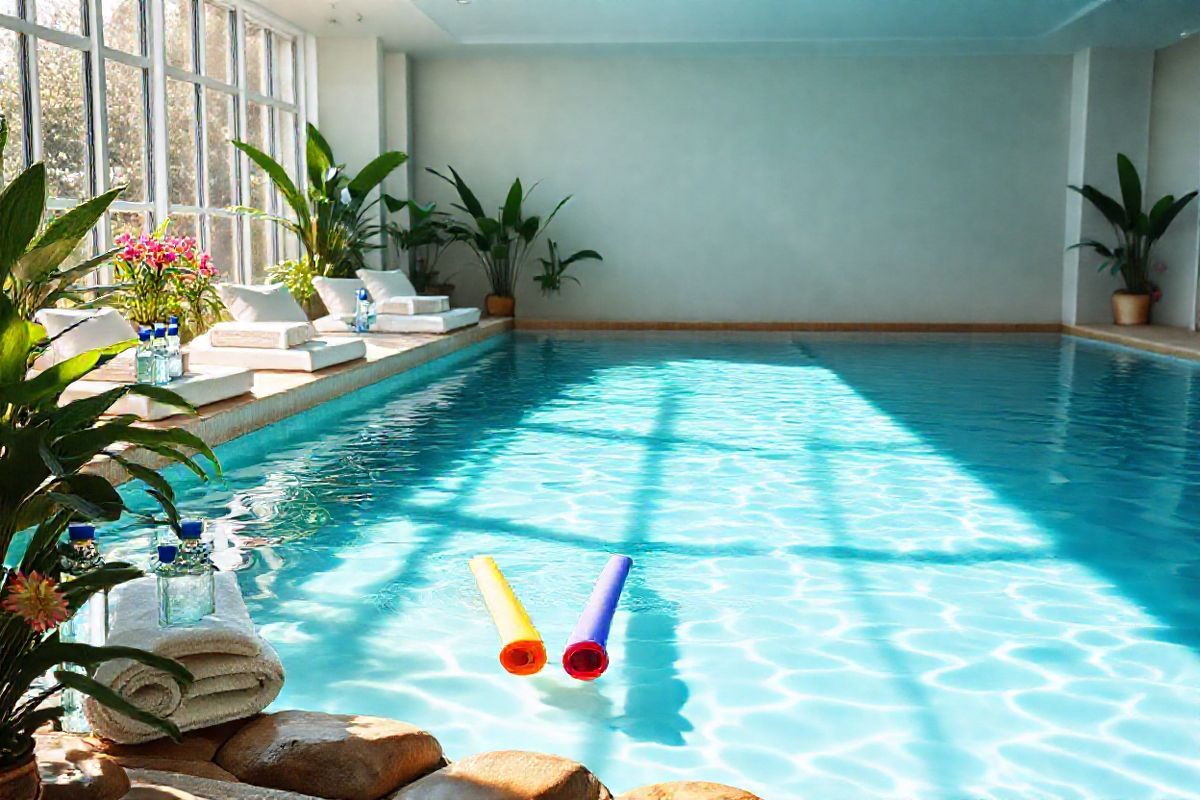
155	69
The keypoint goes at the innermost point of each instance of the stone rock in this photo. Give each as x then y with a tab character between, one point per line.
154	785
71	769
339	756
197	745
688	790
508	775
180	766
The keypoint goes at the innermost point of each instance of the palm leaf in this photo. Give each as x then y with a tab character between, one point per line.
110	699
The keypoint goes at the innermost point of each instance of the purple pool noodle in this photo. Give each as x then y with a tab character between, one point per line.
586	656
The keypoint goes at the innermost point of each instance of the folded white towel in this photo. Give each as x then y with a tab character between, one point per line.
237	672
417	304
261	335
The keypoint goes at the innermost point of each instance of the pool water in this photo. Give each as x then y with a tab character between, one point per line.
914	566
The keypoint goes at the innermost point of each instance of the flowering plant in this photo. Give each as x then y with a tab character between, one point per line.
160	275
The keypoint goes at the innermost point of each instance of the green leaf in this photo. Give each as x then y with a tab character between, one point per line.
165	396
1160	223
46	656
147	476
81	413
39	717
171	436
91	495
22	205
51	382
1131	186
278	176
110	699
60	238
474	207
1110	208
1099	247
582	255
512	205
375	172
17	338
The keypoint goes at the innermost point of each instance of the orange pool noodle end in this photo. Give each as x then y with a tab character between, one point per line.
523	657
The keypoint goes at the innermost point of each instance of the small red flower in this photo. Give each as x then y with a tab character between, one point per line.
37	600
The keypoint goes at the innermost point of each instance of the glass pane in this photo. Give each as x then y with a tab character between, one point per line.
285	77
223	245
63	15
127	222
261	250
127	129
256	58
8	7
64	120
287	144
123	25
217	44
184	225
219	117
12	104
258	133
181	142
178	24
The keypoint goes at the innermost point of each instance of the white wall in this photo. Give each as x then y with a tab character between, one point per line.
1175	169
785	189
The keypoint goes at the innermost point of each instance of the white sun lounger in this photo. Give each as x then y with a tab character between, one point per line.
399	308
93	328
313	355
442	322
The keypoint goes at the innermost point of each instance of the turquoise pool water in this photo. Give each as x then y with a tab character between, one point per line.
937	567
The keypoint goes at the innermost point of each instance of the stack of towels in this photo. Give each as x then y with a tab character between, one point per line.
237	672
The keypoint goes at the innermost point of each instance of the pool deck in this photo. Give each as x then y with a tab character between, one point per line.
1161	339
277	395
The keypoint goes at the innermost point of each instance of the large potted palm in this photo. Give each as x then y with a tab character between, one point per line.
45	483
1136	232
501	243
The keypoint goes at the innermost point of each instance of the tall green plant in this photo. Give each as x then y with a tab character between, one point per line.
45	449
502	243
429	234
1136	231
554	268
333	216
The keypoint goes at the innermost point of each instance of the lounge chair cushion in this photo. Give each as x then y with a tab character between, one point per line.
444	322
200	387
92	328
432	304
340	295
382	285
308	357
272	303
269	335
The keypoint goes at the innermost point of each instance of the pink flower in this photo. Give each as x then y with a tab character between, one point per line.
37	600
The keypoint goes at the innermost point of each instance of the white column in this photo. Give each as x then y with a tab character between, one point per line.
1110	114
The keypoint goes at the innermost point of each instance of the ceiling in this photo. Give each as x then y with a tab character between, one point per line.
1053	26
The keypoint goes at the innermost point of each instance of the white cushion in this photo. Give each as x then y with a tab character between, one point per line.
200	387
273	303
432	304
271	335
93	328
340	295
382	285
308	357
444	322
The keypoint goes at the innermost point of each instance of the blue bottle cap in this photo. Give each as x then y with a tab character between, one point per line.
160	333
191	529
173	329
173	319
166	553
144	335
362	294
81	532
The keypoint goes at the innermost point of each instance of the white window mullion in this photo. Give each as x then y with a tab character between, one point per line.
99	117
244	271
158	108
35	99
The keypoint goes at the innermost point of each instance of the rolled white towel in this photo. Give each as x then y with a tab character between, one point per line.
268	335
416	304
237	672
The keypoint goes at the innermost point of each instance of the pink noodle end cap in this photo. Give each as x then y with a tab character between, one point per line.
585	661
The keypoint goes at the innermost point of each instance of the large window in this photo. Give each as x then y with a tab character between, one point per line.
148	94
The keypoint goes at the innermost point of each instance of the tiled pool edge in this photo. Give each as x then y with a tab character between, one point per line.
1174	342
279	395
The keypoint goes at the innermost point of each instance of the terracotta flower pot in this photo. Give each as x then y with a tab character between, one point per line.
1130	309
500	306
21	781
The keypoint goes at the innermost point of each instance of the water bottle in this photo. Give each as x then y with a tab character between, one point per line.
188	595
166	573
162	364
174	348
89	625
362	312
144	358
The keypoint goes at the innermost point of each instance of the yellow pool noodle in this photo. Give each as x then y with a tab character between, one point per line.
522	651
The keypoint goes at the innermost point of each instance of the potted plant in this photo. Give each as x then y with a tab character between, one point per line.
555	267
333	216
44	449
429	234
1136	232
501	243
